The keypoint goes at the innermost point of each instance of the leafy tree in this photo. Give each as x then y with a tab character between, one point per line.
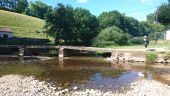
112	18
74	26
57	22
8	4
111	36
38	9
21	5
86	26
163	14
145	28
132	26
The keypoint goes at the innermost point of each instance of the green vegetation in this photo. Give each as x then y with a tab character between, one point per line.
163	14
151	57
22	25
111	36
75	26
14	5
152	44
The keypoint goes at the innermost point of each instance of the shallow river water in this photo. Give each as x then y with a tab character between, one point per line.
80	71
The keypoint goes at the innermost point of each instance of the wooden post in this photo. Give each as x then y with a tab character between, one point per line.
21	51
61	52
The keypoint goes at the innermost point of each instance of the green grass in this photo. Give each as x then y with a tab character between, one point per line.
160	44
22	25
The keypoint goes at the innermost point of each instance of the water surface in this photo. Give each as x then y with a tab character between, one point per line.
81	71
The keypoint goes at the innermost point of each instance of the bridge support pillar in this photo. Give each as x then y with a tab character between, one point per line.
61	52
21	52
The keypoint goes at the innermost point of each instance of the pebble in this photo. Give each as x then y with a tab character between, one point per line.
16	85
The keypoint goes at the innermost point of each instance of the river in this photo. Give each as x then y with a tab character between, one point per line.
84	72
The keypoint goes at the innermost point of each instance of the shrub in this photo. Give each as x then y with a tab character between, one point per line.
111	36
136	40
151	57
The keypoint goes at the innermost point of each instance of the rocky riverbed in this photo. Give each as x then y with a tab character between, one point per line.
16	85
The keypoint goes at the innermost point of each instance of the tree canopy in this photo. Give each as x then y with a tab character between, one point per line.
163	14
38	9
74	26
14	5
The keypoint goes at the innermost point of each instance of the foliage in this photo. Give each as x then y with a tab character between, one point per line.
111	36
132	26
163	14
14	5
8	4
38	9
136	40
127	24
86	26
21	5
74	26
145	28
112	18
151	57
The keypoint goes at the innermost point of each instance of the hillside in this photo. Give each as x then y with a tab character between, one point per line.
22	25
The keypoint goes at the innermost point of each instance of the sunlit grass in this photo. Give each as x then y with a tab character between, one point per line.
23	25
160	44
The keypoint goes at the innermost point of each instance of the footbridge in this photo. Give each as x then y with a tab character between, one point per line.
116	54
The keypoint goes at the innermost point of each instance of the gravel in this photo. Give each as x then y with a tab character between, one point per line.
16	85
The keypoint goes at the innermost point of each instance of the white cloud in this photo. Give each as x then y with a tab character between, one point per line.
82	1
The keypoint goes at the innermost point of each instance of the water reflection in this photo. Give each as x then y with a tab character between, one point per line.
84	72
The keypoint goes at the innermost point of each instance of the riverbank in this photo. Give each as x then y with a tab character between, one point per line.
16	85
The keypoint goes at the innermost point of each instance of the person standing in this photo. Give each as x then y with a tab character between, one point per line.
146	41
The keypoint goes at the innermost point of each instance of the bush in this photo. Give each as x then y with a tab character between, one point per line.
111	36
136	40
151	57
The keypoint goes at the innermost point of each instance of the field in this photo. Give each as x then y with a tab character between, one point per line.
22	25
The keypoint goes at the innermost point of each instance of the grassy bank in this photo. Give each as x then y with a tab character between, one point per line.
160	44
22	25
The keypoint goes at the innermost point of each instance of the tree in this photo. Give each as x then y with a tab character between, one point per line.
86	26
21	5
38	9
8	4
74	26
60	23
131	26
163	14
112	18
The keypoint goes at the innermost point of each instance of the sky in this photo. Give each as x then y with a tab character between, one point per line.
138	9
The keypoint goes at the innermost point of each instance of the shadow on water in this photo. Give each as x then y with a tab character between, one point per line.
84	72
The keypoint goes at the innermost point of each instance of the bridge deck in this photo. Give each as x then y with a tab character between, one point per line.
81	48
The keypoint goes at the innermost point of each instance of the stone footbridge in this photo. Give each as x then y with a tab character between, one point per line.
116	54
